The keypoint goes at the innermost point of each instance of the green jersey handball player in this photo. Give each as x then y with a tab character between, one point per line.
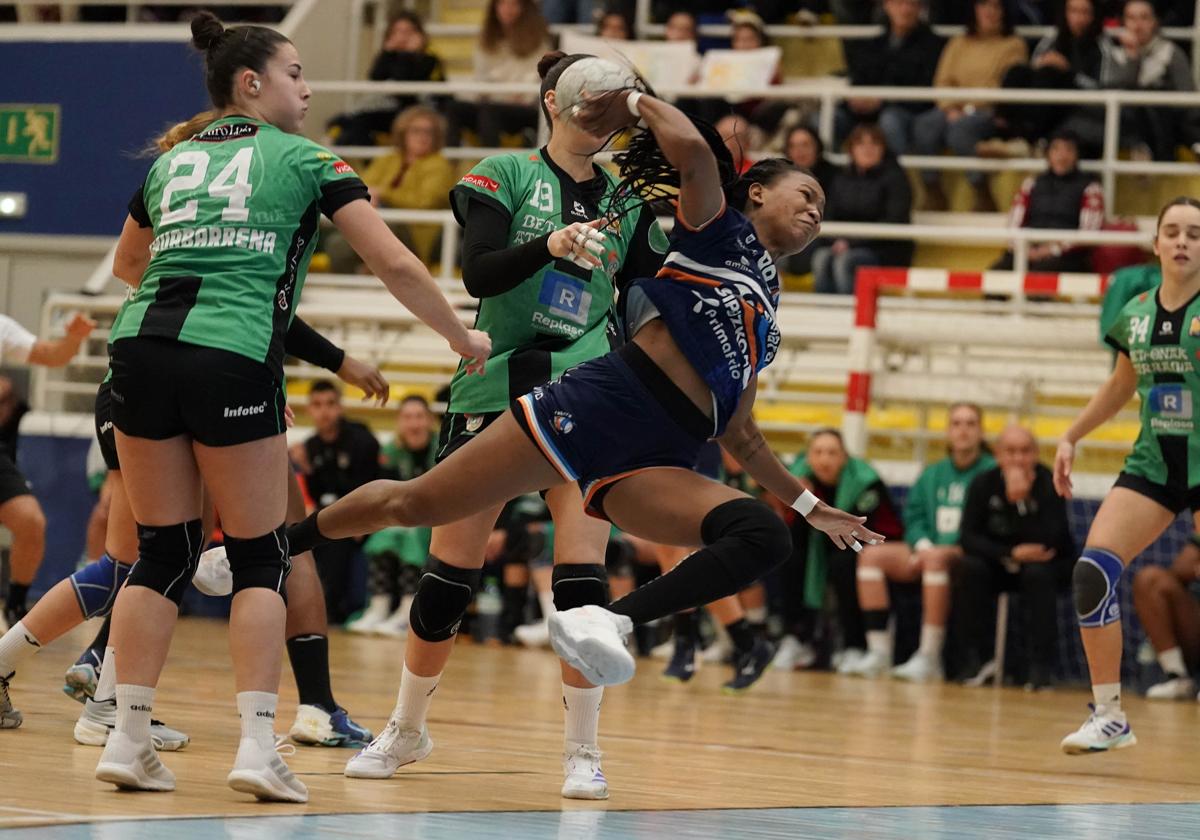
217	243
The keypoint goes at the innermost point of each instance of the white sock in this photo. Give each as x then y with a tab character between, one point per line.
546	602
1107	695
379	604
257	711
106	686
756	615
1170	661
134	705
582	707
412	703
406	602
932	638
17	645
879	641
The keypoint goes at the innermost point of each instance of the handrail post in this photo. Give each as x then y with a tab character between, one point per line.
1112	142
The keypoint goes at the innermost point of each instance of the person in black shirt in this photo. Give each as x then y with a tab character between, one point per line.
1015	537
906	55
340	457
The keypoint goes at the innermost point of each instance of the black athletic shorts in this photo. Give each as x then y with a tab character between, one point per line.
106	435
163	388
1174	498
13	482
458	429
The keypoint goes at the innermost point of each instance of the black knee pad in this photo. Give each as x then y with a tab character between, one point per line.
167	558
442	598
260	562
579	585
747	537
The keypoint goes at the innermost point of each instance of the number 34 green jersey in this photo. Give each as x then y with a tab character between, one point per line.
1164	348
234	213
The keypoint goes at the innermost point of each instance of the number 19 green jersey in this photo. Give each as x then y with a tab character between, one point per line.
234	212
1164	348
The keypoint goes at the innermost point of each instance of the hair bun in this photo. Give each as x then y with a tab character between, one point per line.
548	61
207	30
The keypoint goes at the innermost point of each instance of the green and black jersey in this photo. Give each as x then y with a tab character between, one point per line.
234	212
561	315
1164	348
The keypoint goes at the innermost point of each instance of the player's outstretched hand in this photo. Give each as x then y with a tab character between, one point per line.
845	529
476	349
80	326
366	378
1064	460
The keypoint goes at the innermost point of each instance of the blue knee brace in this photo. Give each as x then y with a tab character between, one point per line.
1094	581
96	585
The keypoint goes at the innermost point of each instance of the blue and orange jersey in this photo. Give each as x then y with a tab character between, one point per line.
717	293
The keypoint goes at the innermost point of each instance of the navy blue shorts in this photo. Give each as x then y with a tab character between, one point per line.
611	417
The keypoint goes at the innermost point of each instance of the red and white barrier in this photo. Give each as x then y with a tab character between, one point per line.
871	281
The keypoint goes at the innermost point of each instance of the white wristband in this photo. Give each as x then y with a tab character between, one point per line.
632	102
805	503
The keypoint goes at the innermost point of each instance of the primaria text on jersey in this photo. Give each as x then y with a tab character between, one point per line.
215	237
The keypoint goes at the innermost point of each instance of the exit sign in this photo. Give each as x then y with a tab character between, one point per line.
29	133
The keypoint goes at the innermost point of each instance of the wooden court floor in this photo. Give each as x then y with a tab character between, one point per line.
795	740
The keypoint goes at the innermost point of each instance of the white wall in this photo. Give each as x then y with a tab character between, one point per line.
32	266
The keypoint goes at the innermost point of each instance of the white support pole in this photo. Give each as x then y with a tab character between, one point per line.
1112	143
825	119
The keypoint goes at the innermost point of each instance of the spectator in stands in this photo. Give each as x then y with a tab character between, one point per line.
1067	58
872	188
615	24
804	148
569	11
1144	60
977	59
747	32
681	26
905	55
1063	198
513	39
1015	537
405	57
931	518
834	475
341	456
1168	605
414	176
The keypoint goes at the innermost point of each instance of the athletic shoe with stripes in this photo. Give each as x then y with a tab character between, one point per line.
259	771
10	718
1103	730
80	681
98	718
584	776
750	667
316	727
592	641
682	666
133	766
392	749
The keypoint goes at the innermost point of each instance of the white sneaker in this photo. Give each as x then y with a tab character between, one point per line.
392	749
261	773
719	652
133	766
213	575
376	613
1172	688
846	658
1103	730
98	719
536	635
396	624
793	654
592	641
869	664
584	777
919	668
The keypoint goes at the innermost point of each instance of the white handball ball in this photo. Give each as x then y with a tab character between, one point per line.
592	76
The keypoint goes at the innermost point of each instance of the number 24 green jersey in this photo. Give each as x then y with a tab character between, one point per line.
234	212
